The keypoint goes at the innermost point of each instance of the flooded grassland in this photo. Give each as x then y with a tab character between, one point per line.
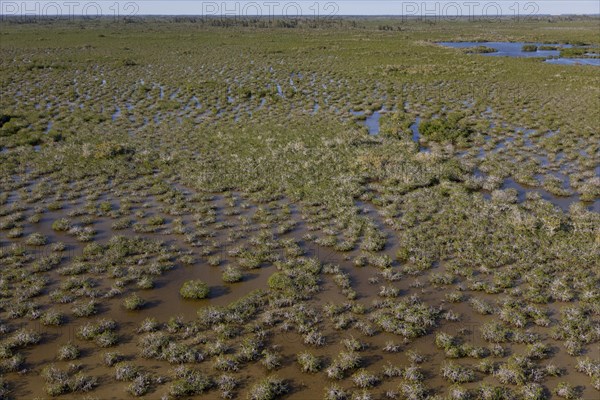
339	210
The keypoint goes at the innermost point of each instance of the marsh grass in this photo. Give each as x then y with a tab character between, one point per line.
194	290
204	172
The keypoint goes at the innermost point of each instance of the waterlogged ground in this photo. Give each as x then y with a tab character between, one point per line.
375	216
554	53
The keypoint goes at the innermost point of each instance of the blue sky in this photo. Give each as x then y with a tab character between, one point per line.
306	8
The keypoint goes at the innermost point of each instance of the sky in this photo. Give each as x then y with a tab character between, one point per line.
305	8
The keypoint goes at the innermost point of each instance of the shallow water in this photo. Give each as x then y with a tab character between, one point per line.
575	61
117	113
508	49
372	122
416	135
164	302
315	108
563	202
515	49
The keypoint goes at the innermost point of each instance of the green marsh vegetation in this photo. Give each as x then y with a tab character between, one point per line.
146	162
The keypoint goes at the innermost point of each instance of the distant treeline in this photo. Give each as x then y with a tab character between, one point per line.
384	23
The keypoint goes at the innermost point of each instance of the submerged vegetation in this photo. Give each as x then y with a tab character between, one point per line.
337	209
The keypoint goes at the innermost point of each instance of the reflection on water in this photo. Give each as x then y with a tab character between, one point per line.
563	202
509	49
416	135
117	113
370	121
575	61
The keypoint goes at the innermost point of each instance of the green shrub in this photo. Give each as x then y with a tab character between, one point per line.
68	352
308	362
448	129
232	274
195	289
280	281
268	389
61	225
479	50
36	239
133	302
53	318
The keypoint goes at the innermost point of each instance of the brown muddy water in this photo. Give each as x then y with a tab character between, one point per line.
164	302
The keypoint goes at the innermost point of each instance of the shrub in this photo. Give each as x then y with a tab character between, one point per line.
156	220
145	282
232	275
448	129
133	302
111	358
195	289
479	50
270	360
36	239
268	389
364	379
214	261
225	363
227	384
566	391
189	382
126	372
68	352
280	281
533	391
140	385
391	347
60	382
53	318
457	373
106	339
149	324
314	338
308	362
85	309
413	390
335	392
11	364
61	225
488	392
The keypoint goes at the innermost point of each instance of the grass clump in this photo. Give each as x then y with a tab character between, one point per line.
53	318
269	388
456	373
61	225
232	275
308	362
36	239
480	50
189	382
60	382
194	289
529	48
133	302
68	352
